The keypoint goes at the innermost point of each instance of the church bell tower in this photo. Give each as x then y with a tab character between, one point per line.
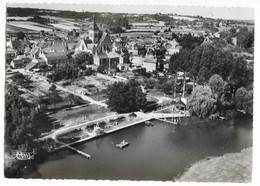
93	31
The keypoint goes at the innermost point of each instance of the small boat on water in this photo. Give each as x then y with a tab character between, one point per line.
148	123
122	144
223	118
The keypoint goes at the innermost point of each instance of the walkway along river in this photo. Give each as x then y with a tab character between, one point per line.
158	152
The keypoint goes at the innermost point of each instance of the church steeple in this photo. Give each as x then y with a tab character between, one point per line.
93	31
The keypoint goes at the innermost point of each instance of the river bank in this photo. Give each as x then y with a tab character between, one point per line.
232	167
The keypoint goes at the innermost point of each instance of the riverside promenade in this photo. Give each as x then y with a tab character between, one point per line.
143	117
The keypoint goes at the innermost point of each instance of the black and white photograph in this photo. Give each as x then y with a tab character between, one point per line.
128	92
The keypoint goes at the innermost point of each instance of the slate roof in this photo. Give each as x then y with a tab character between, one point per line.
103	37
30	66
112	55
103	55
56	55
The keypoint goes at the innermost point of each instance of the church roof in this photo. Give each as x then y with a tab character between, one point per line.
103	37
112	55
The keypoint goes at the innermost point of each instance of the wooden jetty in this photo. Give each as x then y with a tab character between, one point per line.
122	144
167	121
79	152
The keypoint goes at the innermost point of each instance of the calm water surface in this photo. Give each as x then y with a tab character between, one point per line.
155	153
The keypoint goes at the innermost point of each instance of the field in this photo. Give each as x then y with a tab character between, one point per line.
63	23
27	26
64	26
19	18
183	18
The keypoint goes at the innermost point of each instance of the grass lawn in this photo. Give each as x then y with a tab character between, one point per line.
233	167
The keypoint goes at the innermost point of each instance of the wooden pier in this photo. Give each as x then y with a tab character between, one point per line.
167	121
79	152
88	156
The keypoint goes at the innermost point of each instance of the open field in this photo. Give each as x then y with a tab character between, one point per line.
64	26
19	18
184	18
28	25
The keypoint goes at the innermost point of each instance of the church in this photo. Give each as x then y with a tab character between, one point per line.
100	45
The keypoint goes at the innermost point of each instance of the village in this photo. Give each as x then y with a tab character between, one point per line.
66	67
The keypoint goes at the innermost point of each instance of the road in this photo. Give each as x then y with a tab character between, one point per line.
84	97
66	129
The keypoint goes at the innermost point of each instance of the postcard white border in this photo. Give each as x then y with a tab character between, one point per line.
216	3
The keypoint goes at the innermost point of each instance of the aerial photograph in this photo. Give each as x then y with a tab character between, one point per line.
137	93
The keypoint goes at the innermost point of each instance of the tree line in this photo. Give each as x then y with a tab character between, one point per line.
219	75
21	133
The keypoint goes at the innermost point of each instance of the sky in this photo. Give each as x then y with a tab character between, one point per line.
240	13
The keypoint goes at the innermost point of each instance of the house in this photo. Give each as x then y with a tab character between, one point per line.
132	47
57	46
137	61
124	66
85	45
20	61
234	40
172	47
107	59
10	54
37	62
55	59
150	63
17	63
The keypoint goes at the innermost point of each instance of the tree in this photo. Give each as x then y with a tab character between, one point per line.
233	31
216	84
73	99
20	35
83	58
101	69
245	38
241	75
156	32
239	97
248	102
174	36
229	40
181	62
70	97
125	97
189	41
20	80
20	135
52	87
201	102
55	97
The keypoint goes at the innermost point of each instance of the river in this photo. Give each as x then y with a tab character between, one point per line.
158	152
